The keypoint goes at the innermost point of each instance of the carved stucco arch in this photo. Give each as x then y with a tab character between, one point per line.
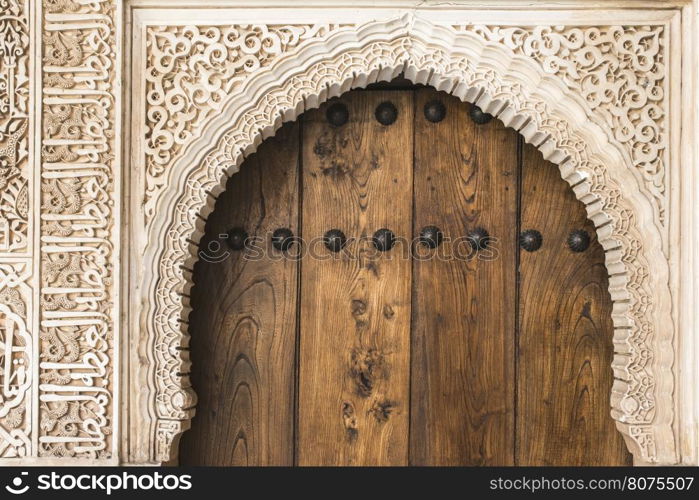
510	86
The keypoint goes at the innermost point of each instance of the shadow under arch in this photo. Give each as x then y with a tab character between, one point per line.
511	87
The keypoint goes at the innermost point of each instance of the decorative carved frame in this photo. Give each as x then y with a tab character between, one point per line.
610	96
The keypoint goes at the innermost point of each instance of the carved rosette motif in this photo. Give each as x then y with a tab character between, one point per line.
190	70
77	229
16	345
620	72
537	102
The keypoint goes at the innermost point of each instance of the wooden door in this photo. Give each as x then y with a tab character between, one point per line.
480	351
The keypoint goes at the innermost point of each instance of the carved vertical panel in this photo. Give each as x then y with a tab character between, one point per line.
79	208
14	125
16	344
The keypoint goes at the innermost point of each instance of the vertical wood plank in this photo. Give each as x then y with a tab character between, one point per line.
565	342
355	310
463	310
243	324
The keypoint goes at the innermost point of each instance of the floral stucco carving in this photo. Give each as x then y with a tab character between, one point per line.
191	70
14	125
620	72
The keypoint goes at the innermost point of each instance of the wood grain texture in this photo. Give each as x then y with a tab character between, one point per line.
463	309
243	324
400	360
355	311
565	340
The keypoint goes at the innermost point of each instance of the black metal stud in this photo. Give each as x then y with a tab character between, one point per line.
337	114
334	240
530	240
282	239
478	238
384	239
435	111
478	116
386	113
578	240
431	236
237	238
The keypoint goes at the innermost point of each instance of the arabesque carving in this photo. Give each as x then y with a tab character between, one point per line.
14	125
620	71
190	71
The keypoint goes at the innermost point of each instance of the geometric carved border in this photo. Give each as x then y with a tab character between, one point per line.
507	82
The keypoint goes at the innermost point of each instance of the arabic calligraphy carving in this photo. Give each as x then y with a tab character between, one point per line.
77	224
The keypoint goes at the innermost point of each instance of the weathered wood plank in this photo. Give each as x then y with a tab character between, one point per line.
243	325
565	341
463	310
355	312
